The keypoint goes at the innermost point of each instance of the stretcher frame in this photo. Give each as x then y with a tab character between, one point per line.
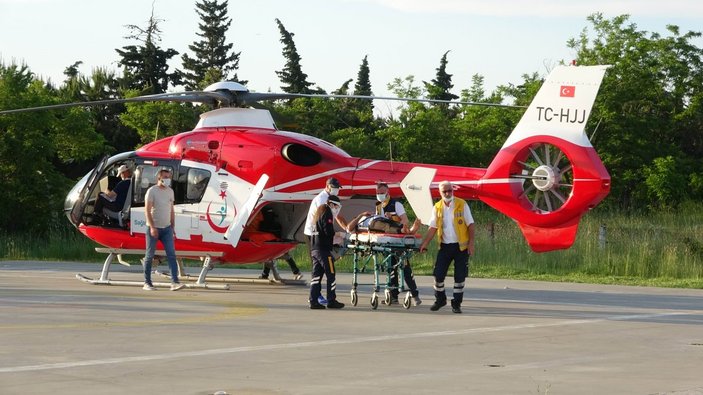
386	253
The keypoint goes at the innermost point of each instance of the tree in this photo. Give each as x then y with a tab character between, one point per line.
292	76
156	120
363	87
146	65
31	189
441	85
213	60
102	84
647	106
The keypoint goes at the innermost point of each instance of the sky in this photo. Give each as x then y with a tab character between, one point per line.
498	39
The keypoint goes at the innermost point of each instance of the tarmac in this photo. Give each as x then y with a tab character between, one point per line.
59	335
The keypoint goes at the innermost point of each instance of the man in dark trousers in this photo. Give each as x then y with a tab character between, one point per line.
453	224
321	253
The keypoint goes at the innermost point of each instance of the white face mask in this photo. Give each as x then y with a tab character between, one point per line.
334	191
335	210
166	182
449	200
381	197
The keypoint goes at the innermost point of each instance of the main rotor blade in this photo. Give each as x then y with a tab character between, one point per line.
247	98
190	97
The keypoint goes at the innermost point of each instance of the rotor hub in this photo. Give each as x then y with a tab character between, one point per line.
544	177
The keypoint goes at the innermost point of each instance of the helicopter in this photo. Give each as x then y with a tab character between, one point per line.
236	165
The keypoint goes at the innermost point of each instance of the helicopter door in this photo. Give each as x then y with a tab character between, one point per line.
84	196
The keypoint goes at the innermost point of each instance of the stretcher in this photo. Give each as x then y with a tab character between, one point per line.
384	253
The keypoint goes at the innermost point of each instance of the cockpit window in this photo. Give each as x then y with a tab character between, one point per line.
145	176
196	184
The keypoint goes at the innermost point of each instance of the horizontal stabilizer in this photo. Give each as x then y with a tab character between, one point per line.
548	239
416	188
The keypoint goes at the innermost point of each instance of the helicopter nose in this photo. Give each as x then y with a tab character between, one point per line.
73	196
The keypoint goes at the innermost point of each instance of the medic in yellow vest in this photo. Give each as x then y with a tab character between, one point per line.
453	223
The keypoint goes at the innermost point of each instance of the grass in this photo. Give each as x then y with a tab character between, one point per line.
662	249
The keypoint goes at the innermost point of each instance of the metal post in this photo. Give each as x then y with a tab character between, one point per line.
602	236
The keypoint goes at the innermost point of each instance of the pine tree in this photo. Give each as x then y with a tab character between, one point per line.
146	66
292	76
440	86
213	60
363	86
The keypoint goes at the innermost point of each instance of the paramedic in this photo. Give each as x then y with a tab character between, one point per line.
393	209
452	222
321	254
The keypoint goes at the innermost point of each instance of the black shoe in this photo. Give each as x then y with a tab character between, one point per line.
316	306
334	304
393	301
456	307
438	305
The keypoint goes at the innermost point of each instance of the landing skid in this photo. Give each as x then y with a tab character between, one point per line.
207	266
117	252
89	280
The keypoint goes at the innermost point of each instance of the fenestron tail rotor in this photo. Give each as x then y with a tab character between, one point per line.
548	176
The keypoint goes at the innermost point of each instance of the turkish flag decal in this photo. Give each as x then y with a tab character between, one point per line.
567	91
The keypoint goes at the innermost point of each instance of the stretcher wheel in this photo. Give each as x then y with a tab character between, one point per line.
374	301
406	300
354	297
387	297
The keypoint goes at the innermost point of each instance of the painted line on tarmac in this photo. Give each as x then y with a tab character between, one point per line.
317	343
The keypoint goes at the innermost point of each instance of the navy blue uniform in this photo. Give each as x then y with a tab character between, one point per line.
322	260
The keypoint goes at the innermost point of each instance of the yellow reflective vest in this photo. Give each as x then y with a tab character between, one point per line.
460	226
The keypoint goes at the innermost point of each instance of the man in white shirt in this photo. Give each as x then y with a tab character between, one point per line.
453	223
332	187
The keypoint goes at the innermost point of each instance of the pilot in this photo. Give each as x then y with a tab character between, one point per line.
321	253
393	209
114	200
453	223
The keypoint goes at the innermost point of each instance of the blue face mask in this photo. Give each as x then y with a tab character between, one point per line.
334	191
166	182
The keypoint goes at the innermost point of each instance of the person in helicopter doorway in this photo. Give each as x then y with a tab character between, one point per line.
114	200
160	221
321	246
393	209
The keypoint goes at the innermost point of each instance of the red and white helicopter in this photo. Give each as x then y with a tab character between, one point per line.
236	163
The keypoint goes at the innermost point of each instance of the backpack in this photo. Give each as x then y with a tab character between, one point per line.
379	224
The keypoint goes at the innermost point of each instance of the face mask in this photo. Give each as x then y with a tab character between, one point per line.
166	182
381	197
334	191
449	200
335	210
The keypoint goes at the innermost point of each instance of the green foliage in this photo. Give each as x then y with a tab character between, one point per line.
439	88
214	60
146	65
31	188
292	76
648	106
102	84
664	182
362	87
156	120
